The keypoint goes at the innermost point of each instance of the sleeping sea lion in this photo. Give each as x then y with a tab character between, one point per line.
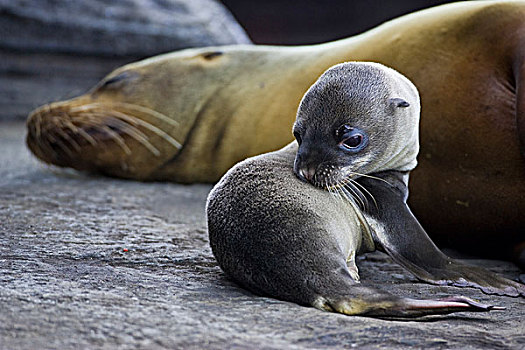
190	115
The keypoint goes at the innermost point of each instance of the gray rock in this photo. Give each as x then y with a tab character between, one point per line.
97	263
56	49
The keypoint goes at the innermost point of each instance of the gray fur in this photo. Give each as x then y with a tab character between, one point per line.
259	210
279	236
364	95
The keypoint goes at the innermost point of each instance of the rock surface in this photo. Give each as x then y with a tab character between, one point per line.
52	50
89	262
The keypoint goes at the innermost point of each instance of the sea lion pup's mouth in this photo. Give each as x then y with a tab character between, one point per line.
92	136
338	180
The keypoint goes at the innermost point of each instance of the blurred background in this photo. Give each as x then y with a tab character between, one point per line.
316	21
56	49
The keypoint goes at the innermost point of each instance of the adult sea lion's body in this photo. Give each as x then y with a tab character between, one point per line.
209	108
296	240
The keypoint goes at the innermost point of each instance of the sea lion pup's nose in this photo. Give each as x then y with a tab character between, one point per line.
306	174
305	171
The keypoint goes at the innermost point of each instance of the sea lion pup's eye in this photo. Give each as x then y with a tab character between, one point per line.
353	141
350	138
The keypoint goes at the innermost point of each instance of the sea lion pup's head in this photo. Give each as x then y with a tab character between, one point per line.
358	118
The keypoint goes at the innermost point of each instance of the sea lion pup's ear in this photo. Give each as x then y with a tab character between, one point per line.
399	102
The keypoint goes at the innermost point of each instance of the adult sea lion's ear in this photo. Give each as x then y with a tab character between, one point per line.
399	102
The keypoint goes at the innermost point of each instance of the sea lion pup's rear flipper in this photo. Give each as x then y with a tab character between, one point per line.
367	301
407	243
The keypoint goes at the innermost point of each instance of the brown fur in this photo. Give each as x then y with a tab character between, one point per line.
465	58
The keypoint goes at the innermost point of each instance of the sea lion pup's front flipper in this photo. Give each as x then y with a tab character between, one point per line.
398	233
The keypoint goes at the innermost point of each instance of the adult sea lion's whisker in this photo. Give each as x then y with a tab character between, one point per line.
148	111
87	137
46	148
126	128
86	121
148	126
37	124
68	138
59	143
85	108
118	139
75	129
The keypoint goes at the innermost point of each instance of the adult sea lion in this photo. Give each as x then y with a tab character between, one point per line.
276	235
190	115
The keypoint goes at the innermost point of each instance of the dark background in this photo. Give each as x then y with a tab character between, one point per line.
52	50
315	21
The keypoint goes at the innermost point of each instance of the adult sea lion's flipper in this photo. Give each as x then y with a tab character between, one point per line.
397	232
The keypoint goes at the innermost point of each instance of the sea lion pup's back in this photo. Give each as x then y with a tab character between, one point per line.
274	220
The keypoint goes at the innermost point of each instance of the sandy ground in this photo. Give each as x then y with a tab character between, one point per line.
89	262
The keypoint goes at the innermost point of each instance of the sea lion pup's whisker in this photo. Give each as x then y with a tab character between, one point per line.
342	196
369	176
126	128
334	192
350	194
148	111
361	187
336	189
345	183
363	202
353	197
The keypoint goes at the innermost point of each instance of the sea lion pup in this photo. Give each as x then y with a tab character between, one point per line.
224	104
296	240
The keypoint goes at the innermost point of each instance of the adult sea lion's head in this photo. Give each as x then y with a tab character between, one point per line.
133	121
